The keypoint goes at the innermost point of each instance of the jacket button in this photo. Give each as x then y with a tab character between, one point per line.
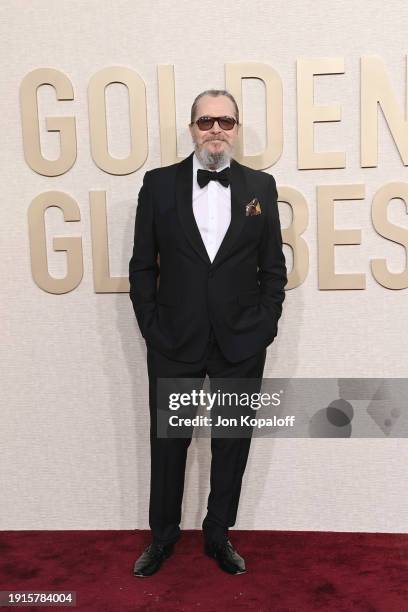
210	274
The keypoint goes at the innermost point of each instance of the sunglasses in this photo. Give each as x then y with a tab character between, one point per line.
205	123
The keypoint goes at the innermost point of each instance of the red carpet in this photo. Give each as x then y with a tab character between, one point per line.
287	571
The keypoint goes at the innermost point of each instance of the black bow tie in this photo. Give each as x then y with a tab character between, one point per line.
205	176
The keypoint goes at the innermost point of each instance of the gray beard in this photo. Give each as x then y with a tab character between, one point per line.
212	161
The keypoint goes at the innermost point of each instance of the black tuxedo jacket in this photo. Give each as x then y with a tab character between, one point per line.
178	294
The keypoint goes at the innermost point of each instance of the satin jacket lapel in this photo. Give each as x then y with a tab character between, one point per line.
239	196
184	200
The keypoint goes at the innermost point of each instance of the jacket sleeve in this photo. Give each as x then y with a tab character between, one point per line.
143	265
272	273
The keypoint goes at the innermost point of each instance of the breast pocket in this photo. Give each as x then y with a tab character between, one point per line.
252	229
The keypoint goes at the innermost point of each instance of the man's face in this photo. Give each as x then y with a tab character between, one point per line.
215	141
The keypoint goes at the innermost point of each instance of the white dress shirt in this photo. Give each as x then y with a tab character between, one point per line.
212	209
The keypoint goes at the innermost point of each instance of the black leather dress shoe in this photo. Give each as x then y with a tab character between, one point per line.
227	557
152	558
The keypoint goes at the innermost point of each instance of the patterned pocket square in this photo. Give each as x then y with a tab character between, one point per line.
253	208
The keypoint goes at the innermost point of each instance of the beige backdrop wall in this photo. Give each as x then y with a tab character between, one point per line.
74	435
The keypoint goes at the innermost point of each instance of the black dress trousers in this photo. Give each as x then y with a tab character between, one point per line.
169	454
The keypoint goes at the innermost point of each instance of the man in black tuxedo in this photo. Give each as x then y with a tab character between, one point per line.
210	305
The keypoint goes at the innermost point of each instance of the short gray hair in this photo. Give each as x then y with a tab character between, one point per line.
215	93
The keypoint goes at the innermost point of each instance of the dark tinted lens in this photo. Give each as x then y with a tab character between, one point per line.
205	123
226	123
